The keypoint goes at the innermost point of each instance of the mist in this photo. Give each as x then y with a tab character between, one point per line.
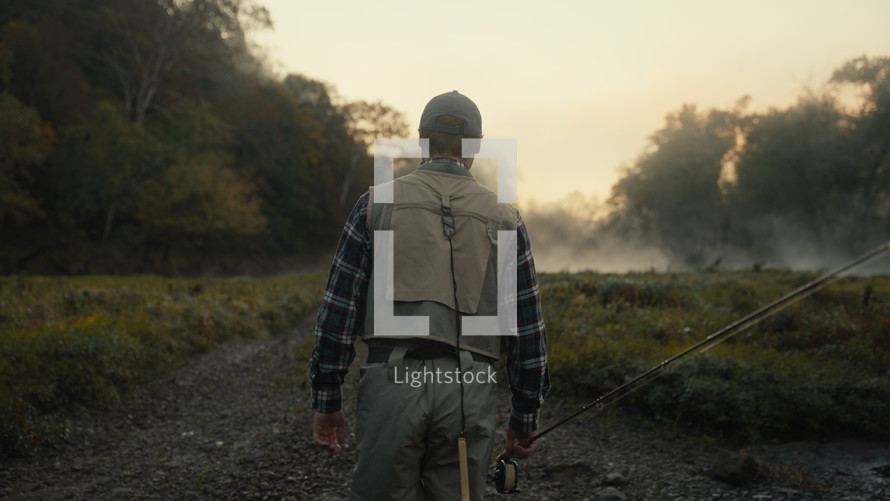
566	240
226	167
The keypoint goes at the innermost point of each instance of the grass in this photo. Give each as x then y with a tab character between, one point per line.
817	369
67	345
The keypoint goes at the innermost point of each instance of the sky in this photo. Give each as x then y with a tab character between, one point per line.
580	85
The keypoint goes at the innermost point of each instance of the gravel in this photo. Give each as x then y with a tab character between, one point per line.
236	424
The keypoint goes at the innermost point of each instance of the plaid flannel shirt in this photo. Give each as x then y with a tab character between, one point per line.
342	314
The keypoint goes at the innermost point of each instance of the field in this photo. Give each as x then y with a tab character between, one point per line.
71	344
817	369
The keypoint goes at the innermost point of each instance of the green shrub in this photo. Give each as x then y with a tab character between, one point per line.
67	345
815	369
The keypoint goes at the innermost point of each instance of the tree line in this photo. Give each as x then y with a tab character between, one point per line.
802	186
147	136
812	179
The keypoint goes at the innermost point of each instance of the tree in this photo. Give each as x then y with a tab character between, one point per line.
198	204
124	186
366	122
172	140
99	169
672	193
351	128
196	200
794	176
25	143
45	72
870	146
282	147
152	44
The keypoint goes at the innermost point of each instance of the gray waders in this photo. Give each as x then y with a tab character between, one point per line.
407	423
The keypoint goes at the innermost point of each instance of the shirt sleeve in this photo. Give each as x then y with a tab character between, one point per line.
342	312
527	353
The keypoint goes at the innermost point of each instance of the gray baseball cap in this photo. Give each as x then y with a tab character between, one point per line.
456	105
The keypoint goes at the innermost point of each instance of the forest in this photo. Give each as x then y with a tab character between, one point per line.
145	136
791	188
148	136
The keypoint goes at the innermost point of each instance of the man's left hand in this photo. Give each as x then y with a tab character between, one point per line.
515	439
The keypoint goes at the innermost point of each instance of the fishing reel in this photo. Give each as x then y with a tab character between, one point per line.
506	476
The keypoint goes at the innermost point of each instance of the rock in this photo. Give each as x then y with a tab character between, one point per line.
883	471
537	474
734	467
147	458
574	471
579	468
610	494
615	479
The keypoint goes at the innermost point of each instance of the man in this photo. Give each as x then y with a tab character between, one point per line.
415	401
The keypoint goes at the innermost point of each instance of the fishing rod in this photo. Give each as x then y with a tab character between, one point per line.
506	469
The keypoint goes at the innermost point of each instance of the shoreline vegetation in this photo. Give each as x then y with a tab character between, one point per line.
815	370
68	345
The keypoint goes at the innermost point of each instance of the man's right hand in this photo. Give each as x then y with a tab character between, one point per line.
329	430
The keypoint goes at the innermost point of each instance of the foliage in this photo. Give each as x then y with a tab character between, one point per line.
807	147
670	184
24	144
202	197
817	369
102	164
69	345
784	185
178	151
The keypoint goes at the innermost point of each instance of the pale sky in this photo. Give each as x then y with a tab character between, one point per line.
579	84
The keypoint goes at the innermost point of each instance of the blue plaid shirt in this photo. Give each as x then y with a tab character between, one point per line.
342	314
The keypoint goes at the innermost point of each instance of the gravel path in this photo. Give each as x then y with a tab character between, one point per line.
236	424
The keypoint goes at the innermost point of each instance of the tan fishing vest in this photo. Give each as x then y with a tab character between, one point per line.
422	262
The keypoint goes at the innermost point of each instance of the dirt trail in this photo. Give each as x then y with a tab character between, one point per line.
234	424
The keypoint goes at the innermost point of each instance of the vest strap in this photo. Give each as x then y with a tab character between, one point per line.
448	226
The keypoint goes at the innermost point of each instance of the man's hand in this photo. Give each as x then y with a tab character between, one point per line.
514	441
329	430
